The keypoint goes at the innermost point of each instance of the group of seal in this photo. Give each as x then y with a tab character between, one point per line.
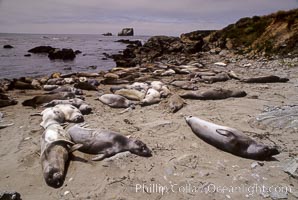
57	143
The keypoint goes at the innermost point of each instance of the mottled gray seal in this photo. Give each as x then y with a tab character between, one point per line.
213	94
66	89
106	143
41	99
230	140
55	148
115	101
175	103
78	103
131	94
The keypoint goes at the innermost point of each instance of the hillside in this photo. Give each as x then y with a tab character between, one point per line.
276	33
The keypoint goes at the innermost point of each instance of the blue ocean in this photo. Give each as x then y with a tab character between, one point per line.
13	63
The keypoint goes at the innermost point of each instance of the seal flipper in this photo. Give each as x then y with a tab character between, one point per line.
225	133
75	147
99	157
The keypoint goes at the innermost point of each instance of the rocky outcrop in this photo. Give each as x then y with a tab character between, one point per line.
276	33
64	54
107	34
126	32
41	49
7	46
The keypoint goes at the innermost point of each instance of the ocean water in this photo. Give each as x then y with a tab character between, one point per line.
13	63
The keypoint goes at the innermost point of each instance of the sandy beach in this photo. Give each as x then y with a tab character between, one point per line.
182	165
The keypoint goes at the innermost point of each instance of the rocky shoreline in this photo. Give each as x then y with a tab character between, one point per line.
158	78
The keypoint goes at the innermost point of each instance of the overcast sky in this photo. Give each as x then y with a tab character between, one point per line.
147	17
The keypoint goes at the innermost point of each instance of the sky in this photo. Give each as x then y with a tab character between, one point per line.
147	17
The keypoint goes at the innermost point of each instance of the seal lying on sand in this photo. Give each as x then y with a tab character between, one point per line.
213	94
152	97
106	143
66	89
265	79
78	103
41	99
230	140
115	101
55	149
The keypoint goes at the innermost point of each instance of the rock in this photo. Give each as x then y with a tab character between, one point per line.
27	55
130	42
126	32
107	34
41	49
292	168
10	196
7	46
275	195
64	54
77	52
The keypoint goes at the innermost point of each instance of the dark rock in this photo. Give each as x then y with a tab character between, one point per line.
126	32
64	54
107	34
10	196
7	46
131	42
27	55
42	49
77	52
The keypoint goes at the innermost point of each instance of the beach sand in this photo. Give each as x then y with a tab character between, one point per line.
182	165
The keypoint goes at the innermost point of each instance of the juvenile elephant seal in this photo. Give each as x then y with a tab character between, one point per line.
152	97
41	99
131	94
71	113
213	94
85	86
175	103
115	101
265	79
55	149
66	89
78	103
105	143
230	140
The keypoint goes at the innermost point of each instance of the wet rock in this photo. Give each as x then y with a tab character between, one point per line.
292	168
64	54
126	32
77	52
10	196
41	49
27	55
131	42
107	34
7	46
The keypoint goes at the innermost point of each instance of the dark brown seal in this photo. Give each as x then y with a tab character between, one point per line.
41	99
265	79
106	143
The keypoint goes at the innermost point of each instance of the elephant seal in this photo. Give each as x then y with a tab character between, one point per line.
152	97
175	103
71	113
221	77
41	99
265	79
185	85
78	103
85	86
76	91
55	148
7	102
230	140
213	94
131	94
106	143
115	101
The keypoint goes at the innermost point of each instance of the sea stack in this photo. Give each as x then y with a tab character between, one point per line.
126	32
